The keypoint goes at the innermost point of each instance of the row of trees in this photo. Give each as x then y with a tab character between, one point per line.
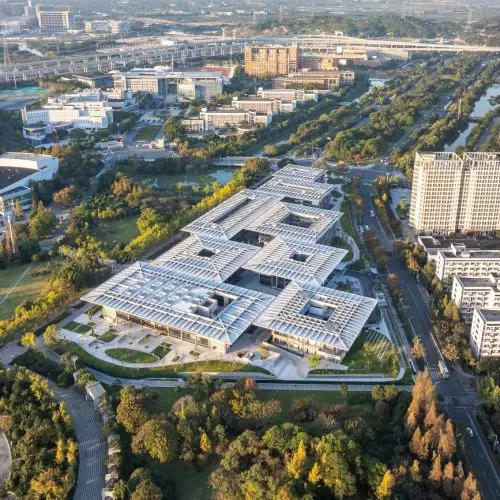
378	251
381	188
44	449
398	447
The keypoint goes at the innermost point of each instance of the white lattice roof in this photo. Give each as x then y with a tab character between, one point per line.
190	304
318	314
301	262
207	257
276	222
297	189
232	215
300	173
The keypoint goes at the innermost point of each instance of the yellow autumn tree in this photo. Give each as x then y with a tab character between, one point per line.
297	461
386	485
314	474
60	451
71	452
205	443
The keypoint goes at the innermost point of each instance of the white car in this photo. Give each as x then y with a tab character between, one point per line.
470	432
372	213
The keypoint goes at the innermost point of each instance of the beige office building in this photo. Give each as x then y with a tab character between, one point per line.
270	61
452	193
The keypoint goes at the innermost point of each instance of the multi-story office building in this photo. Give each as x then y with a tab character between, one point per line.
469	293
86	110
261	105
323	80
17	171
287	95
161	81
230	117
485	333
53	20
453	193
458	260
270	61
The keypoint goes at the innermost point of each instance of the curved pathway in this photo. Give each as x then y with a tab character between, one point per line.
5	457
91	442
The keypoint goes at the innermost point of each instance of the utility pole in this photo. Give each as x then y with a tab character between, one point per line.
6	55
11	234
459	108
468	26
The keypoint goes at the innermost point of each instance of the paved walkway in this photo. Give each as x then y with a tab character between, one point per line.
91	443
5	457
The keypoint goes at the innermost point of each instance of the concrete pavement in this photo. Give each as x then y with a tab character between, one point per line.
91	442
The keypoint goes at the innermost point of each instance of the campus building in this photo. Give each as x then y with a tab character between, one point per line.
323	80
271	61
88	110
459	260
162	81
17	171
300	96
231	117
455	193
255	261
263	105
485	333
469	293
53	20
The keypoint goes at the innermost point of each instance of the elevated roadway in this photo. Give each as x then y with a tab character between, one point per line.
119	58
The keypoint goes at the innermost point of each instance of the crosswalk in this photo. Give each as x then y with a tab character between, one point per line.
466	400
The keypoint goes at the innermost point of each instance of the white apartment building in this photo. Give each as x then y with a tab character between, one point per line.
85	110
469	293
485	333
261	105
224	117
452	193
287	95
53	20
458	260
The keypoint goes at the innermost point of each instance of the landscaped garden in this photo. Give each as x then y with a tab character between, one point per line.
162	350
76	327
147	133
131	355
167	371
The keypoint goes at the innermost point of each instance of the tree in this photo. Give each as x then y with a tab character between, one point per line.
146	490
448	476
132	411
418	349
451	352
50	335
344	390
314	476
18	210
297	462
315	361
65	197
436	473
205	443
119	490
50	484
470	490
155	438
42	223
28	340
68	362
386	485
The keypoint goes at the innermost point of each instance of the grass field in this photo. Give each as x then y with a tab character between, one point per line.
131	355
371	353
107	336
76	327
119	231
162	350
340	243
155	371
147	133
28	288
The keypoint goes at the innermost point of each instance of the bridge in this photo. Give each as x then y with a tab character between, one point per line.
120	58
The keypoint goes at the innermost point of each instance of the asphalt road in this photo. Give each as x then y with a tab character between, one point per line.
458	392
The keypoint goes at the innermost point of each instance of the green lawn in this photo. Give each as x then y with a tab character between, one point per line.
131	355
107	336
28	288
340	243
371	353
162	350
169	371
76	327
147	133
117	231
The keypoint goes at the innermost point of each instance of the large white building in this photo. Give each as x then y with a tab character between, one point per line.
300	96
87	110
162	81
452	193
459	260
253	261
17	171
485	333
263	105
221	118
469	293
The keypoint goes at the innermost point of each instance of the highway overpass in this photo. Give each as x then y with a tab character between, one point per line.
119	58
